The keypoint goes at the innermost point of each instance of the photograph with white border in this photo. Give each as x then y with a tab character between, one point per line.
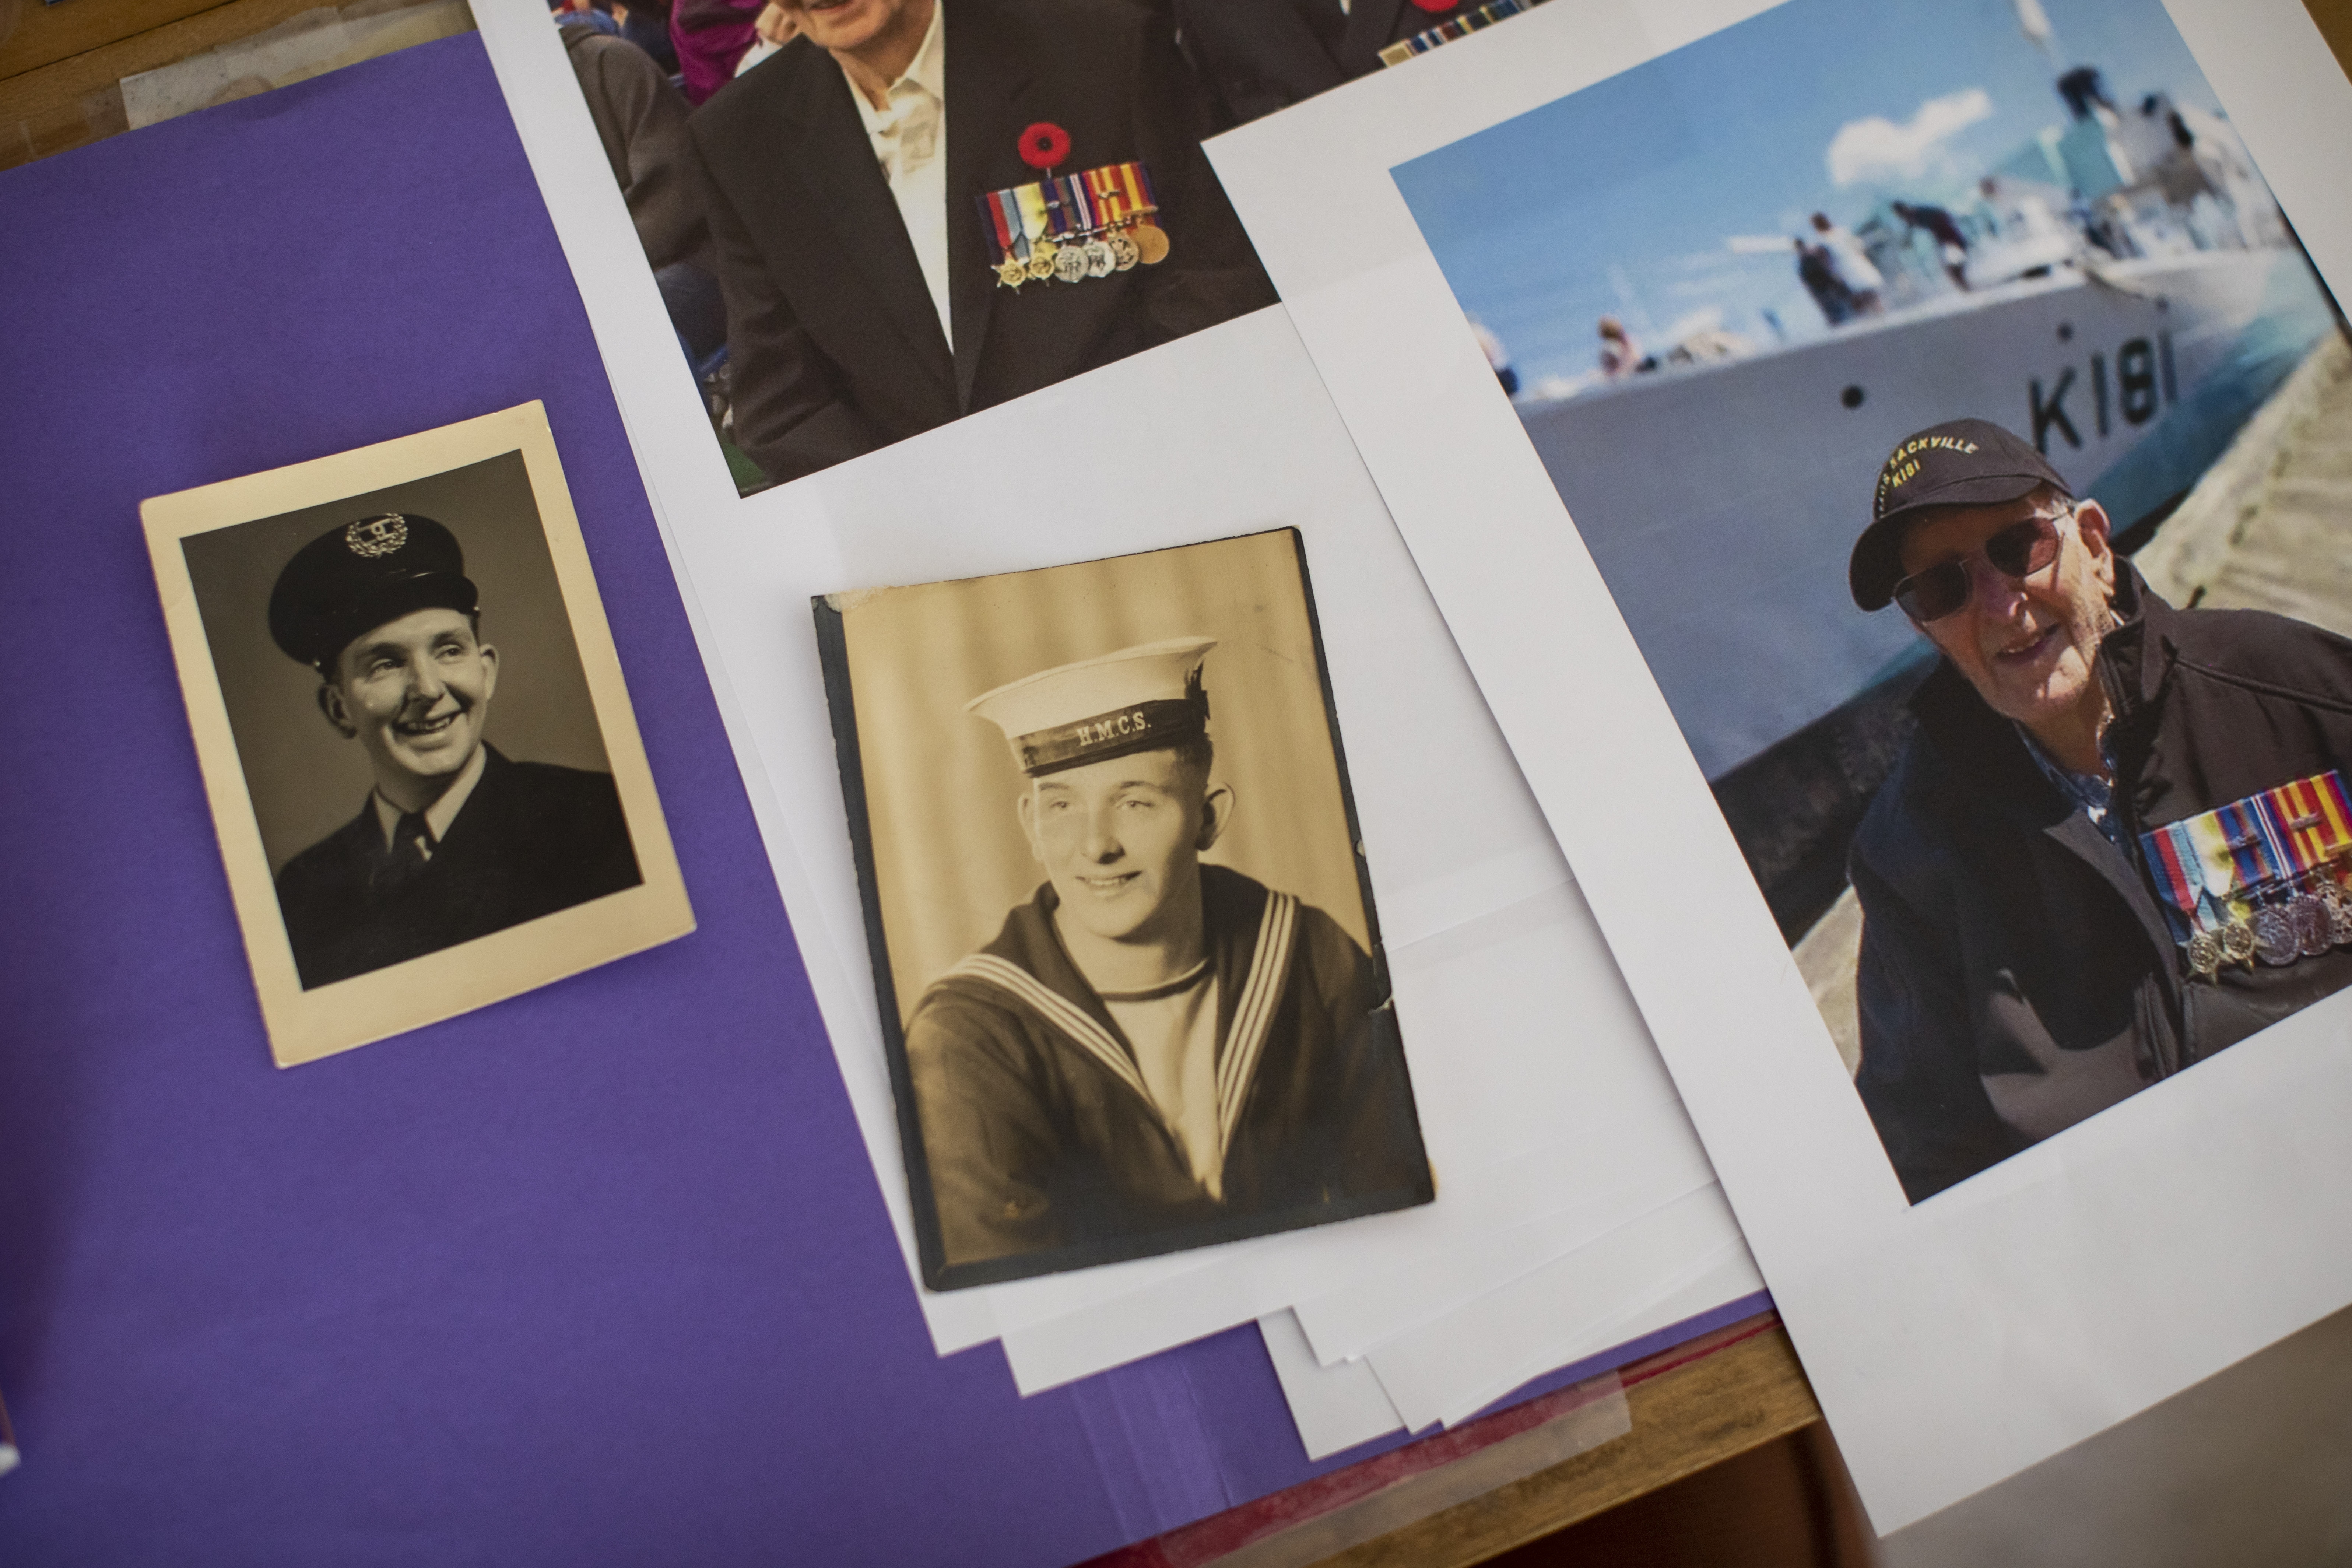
2008	1276
363	640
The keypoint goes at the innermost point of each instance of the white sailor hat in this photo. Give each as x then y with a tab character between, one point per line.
1137	700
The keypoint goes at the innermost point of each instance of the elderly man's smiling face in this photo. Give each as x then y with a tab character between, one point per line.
415	692
852	25
2027	644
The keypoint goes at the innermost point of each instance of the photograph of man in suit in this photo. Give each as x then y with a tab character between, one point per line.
842	181
453	841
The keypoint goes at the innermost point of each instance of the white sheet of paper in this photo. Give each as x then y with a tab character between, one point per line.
1955	1342
1446	1369
1335	1407
1486	1202
1345	1323
1718	1277
1224	432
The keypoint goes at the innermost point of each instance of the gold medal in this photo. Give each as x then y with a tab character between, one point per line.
2238	944
2205	955
1150	243
1012	272
1041	259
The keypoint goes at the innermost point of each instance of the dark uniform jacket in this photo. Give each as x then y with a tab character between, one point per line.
531	839
834	345
1045	1151
2017	974
1258	56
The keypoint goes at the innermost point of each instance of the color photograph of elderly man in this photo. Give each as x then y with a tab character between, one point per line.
455	840
2117	842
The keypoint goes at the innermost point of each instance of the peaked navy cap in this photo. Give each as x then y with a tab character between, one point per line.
361	574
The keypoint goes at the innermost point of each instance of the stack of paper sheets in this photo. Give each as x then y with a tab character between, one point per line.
1575	1209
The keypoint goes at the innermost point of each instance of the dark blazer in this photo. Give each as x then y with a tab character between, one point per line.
834	345
531	839
1258	56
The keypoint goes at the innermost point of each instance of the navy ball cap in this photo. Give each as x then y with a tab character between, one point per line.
1962	462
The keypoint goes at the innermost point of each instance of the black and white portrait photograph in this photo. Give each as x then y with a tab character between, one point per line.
1124	943
414	730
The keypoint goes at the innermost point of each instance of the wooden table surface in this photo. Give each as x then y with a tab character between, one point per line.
1687	1415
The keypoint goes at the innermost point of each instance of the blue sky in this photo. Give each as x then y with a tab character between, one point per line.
1619	199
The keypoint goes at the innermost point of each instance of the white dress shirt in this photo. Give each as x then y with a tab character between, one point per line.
910	142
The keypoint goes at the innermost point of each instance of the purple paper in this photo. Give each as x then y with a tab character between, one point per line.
598	1275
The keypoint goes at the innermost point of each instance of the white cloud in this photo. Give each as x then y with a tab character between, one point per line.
1707	319
1878	149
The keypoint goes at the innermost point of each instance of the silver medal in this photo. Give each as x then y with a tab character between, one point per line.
1070	264
1100	260
2339	915
2314	932
2274	937
1124	252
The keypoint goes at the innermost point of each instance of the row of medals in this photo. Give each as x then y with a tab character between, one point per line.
1121	249
2304	926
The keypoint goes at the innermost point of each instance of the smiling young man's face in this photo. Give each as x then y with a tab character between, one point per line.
1120	839
415	692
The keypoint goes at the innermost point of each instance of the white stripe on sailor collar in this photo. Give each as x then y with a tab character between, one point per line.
1244	1042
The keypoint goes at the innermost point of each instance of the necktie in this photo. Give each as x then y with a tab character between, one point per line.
412	846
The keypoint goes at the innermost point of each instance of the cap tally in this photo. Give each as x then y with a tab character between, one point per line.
1138	700
1961	462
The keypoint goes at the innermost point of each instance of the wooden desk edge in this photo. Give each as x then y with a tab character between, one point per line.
1684	1419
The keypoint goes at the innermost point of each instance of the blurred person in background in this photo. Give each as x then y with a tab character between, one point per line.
711	37
641	120
1258	56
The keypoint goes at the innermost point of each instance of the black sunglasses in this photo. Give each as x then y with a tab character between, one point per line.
2018	551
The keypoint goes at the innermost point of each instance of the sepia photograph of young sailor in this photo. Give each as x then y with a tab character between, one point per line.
1965	438
1125	952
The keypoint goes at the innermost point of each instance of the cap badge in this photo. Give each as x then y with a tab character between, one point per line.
372	537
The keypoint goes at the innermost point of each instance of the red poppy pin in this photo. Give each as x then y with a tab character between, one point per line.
1044	145
1434	6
